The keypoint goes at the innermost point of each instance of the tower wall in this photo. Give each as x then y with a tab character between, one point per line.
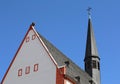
92	60
96	71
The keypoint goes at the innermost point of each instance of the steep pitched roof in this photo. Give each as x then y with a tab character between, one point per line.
73	70
91	48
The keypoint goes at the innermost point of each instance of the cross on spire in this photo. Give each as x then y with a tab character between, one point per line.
89	11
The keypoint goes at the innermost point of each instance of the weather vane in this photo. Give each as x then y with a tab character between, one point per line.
89	11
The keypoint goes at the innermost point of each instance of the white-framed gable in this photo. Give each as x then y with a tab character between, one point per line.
32	64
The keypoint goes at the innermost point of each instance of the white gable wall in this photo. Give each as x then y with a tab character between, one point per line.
32	53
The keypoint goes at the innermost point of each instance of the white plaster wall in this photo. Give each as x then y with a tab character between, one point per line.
68	82
32	53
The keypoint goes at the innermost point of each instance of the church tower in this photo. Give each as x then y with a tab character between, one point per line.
92	60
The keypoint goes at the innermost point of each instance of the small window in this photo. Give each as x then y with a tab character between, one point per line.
27	70
35	67
33	36
98	66
20	72
94	64
27	39
88	65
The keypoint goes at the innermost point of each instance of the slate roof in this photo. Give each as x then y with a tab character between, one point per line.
91	48
72	70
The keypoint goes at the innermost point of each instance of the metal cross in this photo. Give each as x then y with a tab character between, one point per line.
89	10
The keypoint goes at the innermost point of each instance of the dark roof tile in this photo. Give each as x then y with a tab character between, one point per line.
72	70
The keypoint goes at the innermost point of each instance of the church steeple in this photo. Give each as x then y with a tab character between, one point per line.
91	48
92	60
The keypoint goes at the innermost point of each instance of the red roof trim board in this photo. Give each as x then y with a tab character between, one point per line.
31	28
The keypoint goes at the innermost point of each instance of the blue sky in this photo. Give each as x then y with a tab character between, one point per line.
64	24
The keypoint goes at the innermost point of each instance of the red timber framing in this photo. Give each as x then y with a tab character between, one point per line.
61	77
27	39
60	72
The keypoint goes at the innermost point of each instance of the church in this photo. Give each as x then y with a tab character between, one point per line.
37	61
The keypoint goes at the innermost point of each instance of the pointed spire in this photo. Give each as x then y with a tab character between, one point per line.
92	60
91	48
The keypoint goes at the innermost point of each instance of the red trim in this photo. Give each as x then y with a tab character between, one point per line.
61	76
60	72
15	55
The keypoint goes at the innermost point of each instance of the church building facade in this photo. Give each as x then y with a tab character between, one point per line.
37	61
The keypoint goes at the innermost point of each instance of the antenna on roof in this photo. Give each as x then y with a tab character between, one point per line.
89	12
